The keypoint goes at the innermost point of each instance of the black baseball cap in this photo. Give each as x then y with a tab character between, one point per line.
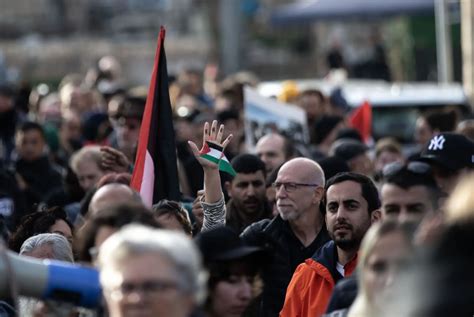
347	149
451	151
224	244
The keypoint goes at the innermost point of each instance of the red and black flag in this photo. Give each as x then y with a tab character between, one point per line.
155	175
361	120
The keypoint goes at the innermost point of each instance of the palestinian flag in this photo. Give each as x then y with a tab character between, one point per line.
213	153
155	175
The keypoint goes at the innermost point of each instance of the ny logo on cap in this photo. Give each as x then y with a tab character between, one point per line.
436	143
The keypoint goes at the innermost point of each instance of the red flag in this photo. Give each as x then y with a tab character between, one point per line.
361	120
155	175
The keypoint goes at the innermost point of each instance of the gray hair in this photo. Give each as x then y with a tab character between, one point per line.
61	247
87	153
136	239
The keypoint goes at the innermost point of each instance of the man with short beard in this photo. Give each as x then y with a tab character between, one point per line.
291	236
352	205
248	203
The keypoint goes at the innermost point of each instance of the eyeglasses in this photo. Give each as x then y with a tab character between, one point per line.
291	187
415	167
149	288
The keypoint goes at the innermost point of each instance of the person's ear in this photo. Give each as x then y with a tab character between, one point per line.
375	216
318	195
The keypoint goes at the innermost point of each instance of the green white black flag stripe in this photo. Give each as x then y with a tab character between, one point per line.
213	153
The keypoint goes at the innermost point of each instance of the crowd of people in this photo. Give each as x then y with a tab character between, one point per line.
335	227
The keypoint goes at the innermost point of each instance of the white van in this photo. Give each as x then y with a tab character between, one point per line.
395	106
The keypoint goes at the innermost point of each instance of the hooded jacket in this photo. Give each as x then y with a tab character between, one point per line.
310	289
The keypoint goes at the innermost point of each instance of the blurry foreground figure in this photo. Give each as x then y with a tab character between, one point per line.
233	267
150	272
99	226
441	284
385	249
171	215
48	246
51	246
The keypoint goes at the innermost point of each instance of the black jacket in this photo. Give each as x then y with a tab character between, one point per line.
236	221
344	293
42	177
12	200
276	236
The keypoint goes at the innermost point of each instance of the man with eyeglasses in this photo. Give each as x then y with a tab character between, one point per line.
292	236
409	192
150	272
352	205
295	233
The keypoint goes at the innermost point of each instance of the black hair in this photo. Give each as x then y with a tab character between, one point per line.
313	92
406	179
222	270
248	164
271	178
31	126
369	190
323	127
115	217
288	147
444	121
333	165
7	91
174	208
349	133
36	223
225	115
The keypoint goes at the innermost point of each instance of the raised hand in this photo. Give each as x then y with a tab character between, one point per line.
114	160
211	136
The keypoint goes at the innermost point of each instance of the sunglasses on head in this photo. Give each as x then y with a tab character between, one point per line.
414	167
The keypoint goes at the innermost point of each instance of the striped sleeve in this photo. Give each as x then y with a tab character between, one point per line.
214	214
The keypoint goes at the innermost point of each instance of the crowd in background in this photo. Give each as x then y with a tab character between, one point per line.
334	227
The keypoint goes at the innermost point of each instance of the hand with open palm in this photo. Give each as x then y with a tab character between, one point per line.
213	135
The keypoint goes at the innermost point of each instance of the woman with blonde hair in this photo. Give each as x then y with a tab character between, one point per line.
384	251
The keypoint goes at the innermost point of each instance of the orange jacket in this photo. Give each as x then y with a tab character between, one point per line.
311	286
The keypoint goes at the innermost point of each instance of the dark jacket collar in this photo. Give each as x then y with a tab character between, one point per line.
327	256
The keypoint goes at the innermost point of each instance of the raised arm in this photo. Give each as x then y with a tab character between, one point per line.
213	201
212	138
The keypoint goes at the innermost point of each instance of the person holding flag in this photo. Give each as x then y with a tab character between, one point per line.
212	159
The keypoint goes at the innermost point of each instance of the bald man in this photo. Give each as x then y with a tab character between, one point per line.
292	236
274	150
295	233
112	195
